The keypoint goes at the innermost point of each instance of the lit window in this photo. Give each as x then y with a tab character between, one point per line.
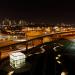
17	59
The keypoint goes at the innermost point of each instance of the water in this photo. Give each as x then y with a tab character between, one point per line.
46	64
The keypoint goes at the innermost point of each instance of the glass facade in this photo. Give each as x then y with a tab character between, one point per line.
17	59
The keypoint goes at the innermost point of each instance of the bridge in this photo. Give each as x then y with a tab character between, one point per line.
6	48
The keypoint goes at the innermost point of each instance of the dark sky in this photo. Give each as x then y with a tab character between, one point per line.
39	10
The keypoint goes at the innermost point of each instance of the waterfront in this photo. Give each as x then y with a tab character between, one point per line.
45	52
46	63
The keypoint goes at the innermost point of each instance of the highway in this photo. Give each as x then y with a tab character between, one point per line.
6	43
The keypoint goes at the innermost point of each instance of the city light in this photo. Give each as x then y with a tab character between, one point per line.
59	55
63	73
17	59
58	62
10	73
22	36
57	58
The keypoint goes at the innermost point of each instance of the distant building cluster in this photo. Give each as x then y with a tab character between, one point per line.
22	27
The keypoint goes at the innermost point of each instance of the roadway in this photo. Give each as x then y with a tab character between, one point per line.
6	43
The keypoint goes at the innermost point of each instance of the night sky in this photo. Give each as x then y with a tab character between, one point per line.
39	10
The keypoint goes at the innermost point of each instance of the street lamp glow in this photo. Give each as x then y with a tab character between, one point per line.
58	62
56	28
57	58
59	55
63	73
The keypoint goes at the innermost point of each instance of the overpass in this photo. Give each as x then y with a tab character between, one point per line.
5	48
